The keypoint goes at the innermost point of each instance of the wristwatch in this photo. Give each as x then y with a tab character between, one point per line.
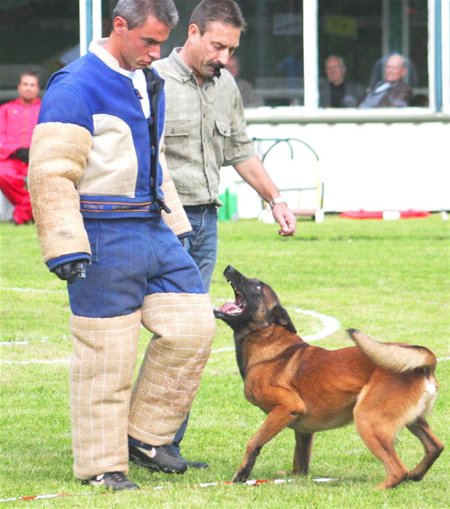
279	199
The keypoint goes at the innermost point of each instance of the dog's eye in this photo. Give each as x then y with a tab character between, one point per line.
258	287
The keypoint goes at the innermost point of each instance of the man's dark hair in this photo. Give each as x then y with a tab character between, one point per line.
224	11
136	12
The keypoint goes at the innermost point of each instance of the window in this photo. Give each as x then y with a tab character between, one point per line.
282	53
361	32
33	35
365	33
271	50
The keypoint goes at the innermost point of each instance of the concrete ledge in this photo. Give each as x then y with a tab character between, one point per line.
300	115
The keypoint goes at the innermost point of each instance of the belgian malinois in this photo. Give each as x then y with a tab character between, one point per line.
382	387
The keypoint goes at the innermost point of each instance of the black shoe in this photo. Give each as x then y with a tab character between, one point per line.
160	459
114	481
190	464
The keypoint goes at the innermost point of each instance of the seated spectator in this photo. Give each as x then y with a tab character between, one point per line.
17	121
393	92
377	73
249	98
338	91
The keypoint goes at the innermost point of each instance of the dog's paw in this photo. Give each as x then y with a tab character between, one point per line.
239	476
414	475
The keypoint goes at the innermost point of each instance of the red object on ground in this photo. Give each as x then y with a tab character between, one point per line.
379	214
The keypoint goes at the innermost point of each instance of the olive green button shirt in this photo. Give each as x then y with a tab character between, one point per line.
205	129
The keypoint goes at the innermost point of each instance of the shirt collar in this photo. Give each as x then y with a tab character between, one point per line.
183	70
382	87
97	48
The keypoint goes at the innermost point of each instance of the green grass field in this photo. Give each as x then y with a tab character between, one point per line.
387	278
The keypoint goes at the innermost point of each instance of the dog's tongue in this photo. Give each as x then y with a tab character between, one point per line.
230	307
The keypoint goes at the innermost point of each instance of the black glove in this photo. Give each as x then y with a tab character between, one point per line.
71	271
22	153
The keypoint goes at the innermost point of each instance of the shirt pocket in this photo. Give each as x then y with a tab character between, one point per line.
177	140
177	129
222	134
223	127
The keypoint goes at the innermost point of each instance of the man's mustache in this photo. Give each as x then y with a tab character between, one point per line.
217	66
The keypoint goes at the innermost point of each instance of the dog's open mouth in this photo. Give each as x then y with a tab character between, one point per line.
233	308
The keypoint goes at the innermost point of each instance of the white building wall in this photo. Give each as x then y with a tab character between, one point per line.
364	166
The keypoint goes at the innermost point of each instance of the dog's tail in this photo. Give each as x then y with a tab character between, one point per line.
394	356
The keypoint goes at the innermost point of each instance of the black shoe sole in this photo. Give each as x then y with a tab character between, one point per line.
155	468
123	488
129	487
197	464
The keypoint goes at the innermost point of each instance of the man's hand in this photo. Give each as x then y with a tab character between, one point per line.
71	271
23	154
285	218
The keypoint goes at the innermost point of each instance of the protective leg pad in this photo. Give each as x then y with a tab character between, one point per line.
183	327
101	370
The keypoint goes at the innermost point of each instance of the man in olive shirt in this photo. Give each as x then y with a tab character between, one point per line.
205	129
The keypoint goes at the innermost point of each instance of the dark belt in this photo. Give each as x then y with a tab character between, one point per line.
200	208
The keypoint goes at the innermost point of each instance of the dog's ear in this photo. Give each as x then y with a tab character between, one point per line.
281	317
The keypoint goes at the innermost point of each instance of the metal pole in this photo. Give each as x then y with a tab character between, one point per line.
97	20
385	27
445	46
405	28
311	53
90	23
435	54
83	26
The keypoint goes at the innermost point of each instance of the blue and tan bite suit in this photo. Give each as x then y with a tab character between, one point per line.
96	183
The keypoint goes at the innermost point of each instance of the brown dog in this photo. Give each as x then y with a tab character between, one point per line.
382	387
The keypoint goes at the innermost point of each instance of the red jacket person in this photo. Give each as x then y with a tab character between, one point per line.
17	121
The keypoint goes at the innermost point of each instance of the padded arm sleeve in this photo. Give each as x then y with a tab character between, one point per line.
177	220
57	160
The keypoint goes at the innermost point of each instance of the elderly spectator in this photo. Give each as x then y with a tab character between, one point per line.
393	92
338	91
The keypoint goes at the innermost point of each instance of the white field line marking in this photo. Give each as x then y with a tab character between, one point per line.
31	290
11	343
37	361
329	326
22	343
67	361
251	482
